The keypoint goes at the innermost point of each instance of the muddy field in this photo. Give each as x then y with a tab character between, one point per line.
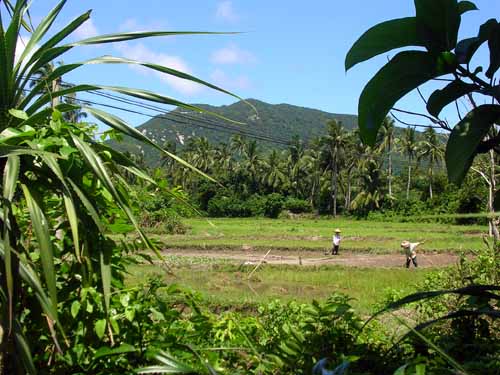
308	258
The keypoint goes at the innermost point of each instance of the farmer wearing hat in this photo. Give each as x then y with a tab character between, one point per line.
410	249
336	242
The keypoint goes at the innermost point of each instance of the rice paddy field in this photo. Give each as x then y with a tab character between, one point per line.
233	262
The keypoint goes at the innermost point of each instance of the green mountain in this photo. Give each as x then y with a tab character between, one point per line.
271	124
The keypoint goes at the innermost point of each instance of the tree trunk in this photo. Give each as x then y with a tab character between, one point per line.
430	179
389	172
492	222
334	185
55	87
349	188
409	180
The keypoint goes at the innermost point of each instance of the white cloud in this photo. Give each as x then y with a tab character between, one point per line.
220	78
87	30
232	55
226	12
131	24
142	53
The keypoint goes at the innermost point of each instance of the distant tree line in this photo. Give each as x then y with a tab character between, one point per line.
332	174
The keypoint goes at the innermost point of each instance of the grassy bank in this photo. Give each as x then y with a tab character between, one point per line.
228	285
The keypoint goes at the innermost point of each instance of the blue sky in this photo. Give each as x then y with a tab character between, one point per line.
290	52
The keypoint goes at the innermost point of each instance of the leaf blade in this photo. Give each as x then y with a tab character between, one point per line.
382	38
453	91
465	138
405	72
41	229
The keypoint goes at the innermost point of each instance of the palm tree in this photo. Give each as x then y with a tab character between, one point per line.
354	150
311	164
223	158
295	153
431	150
237	144
201	153
408	146
386	144
273	176
76	114
252	163
334	144
370	194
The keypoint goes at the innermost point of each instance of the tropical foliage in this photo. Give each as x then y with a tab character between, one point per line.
64	195
333	174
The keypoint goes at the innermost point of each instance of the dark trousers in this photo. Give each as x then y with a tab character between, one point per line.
409	260
335	250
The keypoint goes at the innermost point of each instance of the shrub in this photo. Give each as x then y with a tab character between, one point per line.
297	206
228	207
273	205
174	225
257	204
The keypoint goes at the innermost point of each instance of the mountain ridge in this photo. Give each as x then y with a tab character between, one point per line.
273	124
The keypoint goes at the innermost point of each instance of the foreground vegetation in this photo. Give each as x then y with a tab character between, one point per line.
227	286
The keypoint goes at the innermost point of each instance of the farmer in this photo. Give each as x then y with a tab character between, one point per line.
410	249
336	242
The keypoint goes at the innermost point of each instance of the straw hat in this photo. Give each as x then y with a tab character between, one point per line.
337	230
405	244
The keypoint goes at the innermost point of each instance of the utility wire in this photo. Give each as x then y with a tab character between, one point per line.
197	120
203	123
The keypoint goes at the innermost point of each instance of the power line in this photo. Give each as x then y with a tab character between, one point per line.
223	130
203	123
188	117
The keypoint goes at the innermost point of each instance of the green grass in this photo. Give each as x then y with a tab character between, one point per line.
225	284
315	234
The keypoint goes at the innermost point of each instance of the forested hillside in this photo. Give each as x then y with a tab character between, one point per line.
273	125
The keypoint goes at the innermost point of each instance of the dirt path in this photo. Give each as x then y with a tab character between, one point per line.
308	258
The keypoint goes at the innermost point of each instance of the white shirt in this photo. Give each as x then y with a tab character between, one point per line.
336	239
411	251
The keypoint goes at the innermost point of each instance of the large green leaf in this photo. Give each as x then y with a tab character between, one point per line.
41	230
384	37
466	6
453	91
466	137
405	72
438	22
466	48
494	45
